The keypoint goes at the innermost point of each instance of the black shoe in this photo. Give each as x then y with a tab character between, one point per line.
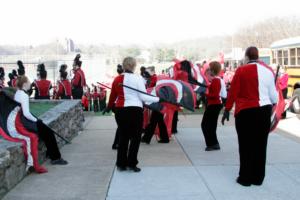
243	183
174	131
163	141
59	162
144	141
257	183
213	148
121	169
135	169
115	146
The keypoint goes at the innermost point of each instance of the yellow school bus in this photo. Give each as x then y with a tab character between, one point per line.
286	52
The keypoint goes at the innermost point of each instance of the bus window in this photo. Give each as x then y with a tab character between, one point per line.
285	57
293	56
279	53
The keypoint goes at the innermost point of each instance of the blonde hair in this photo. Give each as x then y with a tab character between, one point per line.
215	67
21	80
129	63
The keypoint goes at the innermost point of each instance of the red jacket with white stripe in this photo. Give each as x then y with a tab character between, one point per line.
216	91
79	79
124	97
64	88
252	86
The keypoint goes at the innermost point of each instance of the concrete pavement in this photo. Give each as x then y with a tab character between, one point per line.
180	170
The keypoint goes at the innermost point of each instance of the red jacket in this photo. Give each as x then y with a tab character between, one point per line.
79	79
14	82
153	80
85	101
64	88
43	87
216	91
253	85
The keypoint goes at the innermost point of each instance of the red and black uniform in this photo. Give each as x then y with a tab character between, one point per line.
85	102
129	115
14	82
157	119
64	89
42	89
153	80
216	92
253	92
78	82
96	98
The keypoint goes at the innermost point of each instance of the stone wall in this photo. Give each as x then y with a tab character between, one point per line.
66	119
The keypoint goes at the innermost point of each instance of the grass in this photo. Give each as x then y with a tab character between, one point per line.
39	108
183	112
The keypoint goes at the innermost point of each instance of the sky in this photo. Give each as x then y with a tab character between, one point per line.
122	22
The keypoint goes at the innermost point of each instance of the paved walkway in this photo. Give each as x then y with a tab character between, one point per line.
181	170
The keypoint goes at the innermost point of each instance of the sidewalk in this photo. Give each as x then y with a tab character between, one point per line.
181	170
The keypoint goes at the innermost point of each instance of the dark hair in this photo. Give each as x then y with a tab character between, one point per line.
64	75
43	74
252	53
14	72
77	62
120	69
297	85
186	66
10	76
21	68
63	68
41	67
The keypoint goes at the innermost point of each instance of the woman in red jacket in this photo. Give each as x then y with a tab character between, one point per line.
129	113
216	92
253	92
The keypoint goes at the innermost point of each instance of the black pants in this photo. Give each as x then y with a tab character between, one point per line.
209	124
156	119
117	135
253	127
284	94
174	122
46	135
77	92
130	123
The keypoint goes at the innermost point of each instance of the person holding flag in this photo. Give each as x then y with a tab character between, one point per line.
253	92
31	123
216	92
129	113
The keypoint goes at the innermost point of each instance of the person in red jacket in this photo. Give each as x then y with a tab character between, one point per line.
85	102
96	98
253	92
42	86
129	113
153	77
216	92
64	85
78	81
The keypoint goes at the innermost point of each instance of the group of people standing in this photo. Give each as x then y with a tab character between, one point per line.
252	92
21	125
